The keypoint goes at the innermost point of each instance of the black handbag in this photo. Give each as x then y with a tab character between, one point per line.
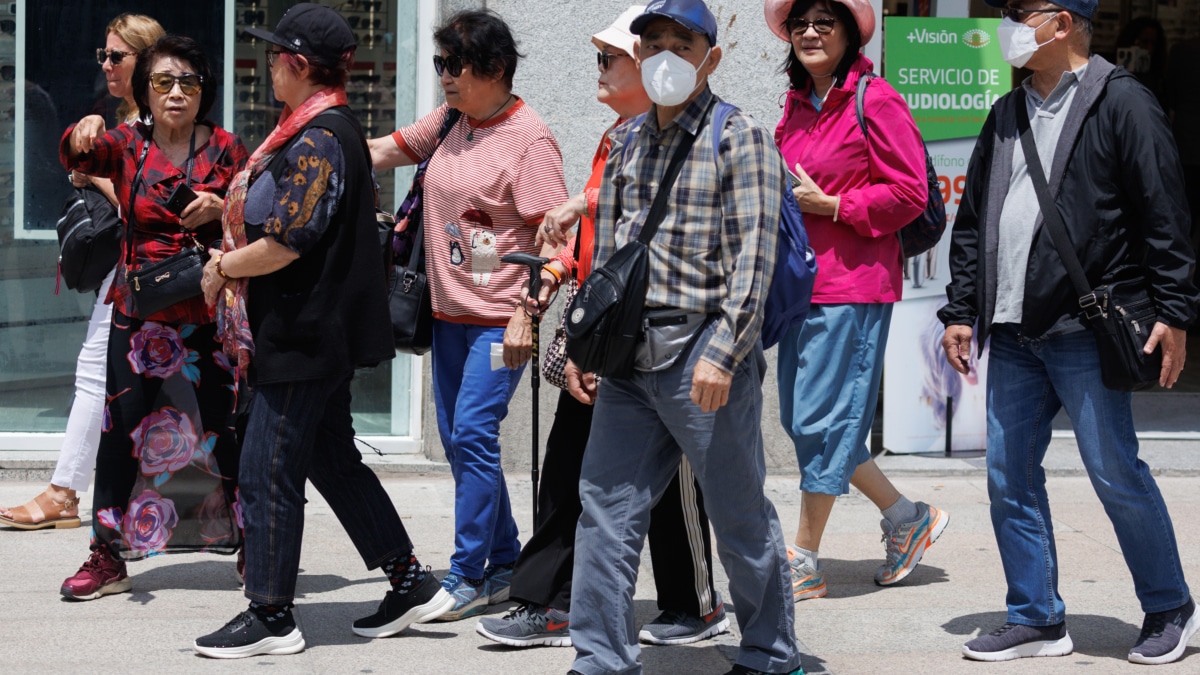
167	282
409	300
604	320
1120	312
89	239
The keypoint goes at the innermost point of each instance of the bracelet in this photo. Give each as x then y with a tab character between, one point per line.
219	270
553	272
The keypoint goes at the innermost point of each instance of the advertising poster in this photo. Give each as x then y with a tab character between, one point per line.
950	71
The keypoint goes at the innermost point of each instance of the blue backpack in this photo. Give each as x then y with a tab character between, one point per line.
795	263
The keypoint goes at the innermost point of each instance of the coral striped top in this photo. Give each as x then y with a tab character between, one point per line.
486	191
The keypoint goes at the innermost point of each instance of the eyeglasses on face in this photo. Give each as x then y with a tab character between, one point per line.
273	56
604	59
823	26
452	64
163	83
1016	14
114	55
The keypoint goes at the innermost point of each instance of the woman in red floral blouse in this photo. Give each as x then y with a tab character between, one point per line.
167	465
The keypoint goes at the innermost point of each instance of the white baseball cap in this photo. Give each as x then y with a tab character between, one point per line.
618	34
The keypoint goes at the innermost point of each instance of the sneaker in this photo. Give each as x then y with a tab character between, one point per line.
468	600
1017	641
100	575
807	582
249	635
499	580
398	611
739	669
1165	635
528	626
908	542
678	628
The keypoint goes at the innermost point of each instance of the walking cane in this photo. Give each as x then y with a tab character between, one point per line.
535	264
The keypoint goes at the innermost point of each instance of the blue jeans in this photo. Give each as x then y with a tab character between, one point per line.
301	431
639	428
471	400
829	371
1028	382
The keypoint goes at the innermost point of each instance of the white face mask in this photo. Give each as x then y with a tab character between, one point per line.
1018	42
669	79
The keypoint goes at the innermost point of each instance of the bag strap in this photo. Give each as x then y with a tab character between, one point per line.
416	192
1051	217
658	210
129	220
859	97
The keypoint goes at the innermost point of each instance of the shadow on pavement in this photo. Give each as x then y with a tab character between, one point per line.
329	623
852	578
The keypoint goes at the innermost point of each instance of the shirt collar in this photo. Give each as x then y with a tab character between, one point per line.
690	119
1068	81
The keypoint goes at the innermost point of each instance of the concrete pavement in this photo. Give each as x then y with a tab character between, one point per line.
917	626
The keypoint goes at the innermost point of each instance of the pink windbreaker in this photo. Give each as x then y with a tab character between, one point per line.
882	183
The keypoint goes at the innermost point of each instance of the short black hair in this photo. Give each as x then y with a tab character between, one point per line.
792	66
481	38
185	49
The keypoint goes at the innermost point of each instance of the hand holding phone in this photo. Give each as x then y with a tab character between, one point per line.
180	198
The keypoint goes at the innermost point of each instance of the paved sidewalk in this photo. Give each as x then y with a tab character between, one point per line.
917	626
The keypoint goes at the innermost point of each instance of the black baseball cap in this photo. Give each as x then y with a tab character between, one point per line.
315	31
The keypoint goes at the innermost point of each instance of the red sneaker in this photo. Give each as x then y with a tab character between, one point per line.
100	575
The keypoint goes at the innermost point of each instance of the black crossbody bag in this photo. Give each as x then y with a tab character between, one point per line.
604	320
1120	311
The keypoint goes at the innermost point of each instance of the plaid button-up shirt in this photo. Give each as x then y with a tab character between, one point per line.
715	249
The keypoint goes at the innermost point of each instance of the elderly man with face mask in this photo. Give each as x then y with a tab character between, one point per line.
711	262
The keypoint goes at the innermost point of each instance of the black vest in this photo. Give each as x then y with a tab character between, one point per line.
326	313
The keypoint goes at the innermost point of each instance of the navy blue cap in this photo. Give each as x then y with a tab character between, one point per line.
693	15
1084	8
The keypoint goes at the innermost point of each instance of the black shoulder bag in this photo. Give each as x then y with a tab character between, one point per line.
1120	312
157	286
409	300
604	320
89	239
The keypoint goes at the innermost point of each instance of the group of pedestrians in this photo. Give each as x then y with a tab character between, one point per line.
219	408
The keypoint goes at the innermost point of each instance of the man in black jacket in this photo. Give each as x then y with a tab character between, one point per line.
1115	177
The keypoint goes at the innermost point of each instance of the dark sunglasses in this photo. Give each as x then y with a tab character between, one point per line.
604	59
114	55
452	64
8	26
8	73
1015	14
823	26
365	22
365	6
251	17
247	79
244	96
163	83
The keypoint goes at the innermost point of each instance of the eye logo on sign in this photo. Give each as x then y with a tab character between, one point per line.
976	38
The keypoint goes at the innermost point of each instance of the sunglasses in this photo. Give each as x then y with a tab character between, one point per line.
273	56
114	55
248	79
452	64
253	18
823	26
163	83
8	73
1015	14
365	6
365	22
244	96
8	26
604	59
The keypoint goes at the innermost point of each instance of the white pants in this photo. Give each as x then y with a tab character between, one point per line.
77	458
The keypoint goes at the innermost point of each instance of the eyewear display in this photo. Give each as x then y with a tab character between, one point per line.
823	26
114	55
1015	14
252	18
373	79
248	79
8	26
163	83
8	73
366	6
357	21
604	59
244	96
452	64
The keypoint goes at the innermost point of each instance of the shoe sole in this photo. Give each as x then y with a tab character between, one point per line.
435	607
1028	650
818	592
59	524
1188	631
714	630
935	531
474	608
541	639
119	586
291	643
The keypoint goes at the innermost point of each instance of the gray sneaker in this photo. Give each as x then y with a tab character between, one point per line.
528	626
1017	641
1165	635
677	628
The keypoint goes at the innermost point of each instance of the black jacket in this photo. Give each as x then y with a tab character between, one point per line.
1118	184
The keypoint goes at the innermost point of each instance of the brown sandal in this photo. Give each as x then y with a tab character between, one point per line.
23	519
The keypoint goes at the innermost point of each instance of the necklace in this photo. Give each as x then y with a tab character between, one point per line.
471	133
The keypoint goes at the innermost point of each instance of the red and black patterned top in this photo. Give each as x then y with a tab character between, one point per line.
157	234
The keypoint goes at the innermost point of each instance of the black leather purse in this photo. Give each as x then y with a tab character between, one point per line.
159	285
89	239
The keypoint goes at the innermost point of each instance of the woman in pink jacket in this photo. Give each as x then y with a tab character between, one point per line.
856	192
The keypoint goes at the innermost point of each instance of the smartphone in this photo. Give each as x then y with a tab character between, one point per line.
180	198
794	178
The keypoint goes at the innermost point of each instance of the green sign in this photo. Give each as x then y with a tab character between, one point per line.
948	70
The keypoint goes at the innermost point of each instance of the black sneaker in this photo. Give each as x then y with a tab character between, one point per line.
1165	635
1018	641
680	628
248	635
424	603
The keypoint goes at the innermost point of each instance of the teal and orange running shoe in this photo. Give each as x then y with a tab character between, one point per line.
807	582
907	543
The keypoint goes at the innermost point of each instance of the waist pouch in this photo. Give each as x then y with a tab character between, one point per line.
666	333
